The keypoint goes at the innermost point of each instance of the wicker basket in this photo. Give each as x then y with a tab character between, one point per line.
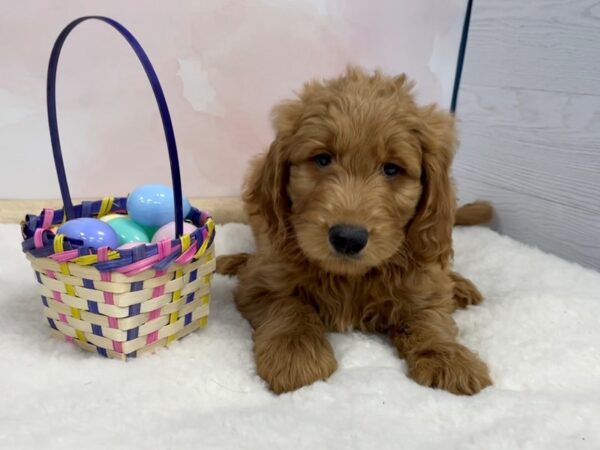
119	303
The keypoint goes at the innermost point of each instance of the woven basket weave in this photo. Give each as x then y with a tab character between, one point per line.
119	303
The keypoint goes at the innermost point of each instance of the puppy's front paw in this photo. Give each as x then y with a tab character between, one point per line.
450	366
465	292
288	362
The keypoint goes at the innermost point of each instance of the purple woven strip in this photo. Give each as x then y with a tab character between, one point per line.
86	209
167	261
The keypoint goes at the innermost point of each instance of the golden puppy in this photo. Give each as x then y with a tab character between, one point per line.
352	209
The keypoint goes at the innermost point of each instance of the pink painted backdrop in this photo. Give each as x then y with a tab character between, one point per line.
222	64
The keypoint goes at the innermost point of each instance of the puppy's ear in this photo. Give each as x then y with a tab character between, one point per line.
266	190
429	234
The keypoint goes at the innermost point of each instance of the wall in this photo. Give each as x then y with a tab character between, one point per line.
222	63
529	107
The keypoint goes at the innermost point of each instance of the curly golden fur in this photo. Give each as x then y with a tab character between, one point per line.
357	151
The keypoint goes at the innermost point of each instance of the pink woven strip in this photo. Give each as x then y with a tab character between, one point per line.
164	248
108	298
62	318
102	254
152	337
37	238
159	273
117	346
112	322
69	339
187	255
48	218
154	314
139	266
57	296
205	216
105	276
51	274
158	291
65	256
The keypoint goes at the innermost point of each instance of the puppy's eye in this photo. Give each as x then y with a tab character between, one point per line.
322	159
391	169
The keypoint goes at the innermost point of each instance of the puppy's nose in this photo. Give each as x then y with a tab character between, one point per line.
348	239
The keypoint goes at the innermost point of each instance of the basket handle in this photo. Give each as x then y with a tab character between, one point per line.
160	100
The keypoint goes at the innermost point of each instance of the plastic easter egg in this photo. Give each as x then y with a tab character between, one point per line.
93	232
149	230
128	230
110	217
168	231
152	205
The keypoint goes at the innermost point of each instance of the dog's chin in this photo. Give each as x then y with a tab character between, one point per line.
343	265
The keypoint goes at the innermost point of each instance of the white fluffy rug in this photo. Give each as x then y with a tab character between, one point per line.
538	329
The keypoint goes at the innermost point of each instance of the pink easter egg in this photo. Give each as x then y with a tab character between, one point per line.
168	231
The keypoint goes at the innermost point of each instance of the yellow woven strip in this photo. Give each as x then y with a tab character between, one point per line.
201	250
185	242
64	268
172	319
175	315
210	224
76	314
203	321
70	289
58	243
205	299
105	206
87	260
177	293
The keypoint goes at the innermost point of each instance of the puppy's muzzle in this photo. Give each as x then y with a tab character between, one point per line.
348	240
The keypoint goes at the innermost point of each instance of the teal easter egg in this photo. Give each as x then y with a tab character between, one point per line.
128	231
152	205
149	230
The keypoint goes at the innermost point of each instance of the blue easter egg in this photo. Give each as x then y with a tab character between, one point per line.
152	205
93	232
